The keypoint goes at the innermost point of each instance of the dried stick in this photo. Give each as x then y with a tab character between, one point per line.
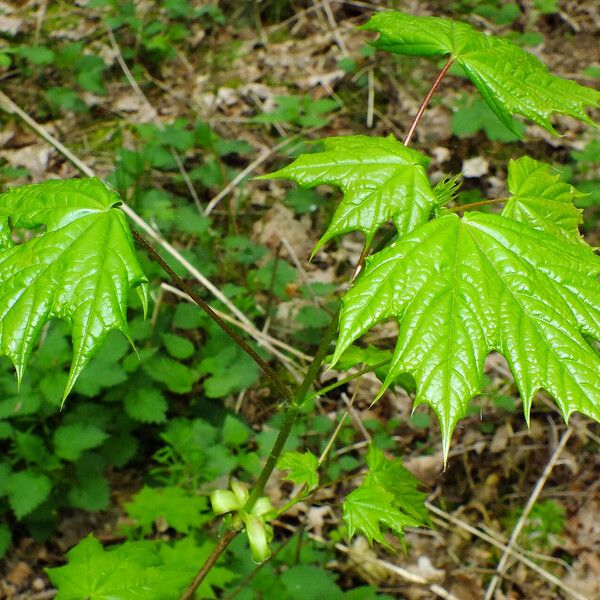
513	551
142	97
523	518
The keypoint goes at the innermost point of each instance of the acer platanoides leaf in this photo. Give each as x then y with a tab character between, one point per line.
80	269
511	80
388	496
380	178
542	200
464	287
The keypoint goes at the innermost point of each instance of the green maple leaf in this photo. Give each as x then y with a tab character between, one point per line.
464	287
542	200
510	80
302	467
144	570
388	496
128	572
370	506
79	270
380	178
392	475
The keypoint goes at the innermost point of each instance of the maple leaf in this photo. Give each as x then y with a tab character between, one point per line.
302	467
542	200
381	179
134	570
464	287
387	496
510	79
80	269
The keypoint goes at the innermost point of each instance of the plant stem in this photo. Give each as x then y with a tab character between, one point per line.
339	382
289	418
184	287
361	261
456	209
291	414
227	538
293	410
426	100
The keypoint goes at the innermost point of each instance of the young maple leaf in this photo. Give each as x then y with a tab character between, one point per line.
542	200
464	287
80	269
381	180
509	79
388	496
145	569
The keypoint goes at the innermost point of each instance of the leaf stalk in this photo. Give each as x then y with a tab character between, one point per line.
426	101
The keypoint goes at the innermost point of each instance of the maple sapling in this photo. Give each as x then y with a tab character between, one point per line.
461	283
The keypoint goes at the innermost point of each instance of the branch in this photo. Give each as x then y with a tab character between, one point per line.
213	557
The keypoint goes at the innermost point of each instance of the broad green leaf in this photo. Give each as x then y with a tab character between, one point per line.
73	439
401	483
511	80
464	287
177	346
368	508
129	572
177	508
308	582
302	468
476	116
177	377
228	368
388	496
26	491
542	200
182	559
235	432
79	270
380	178
92	492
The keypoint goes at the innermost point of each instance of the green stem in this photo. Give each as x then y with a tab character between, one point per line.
293	403
292	412
289	418
339	382
210	562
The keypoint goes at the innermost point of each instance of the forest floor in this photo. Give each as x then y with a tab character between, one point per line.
229	72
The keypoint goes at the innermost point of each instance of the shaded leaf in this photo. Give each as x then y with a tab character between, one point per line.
147	405
178	508
73	439
302	468
26	491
